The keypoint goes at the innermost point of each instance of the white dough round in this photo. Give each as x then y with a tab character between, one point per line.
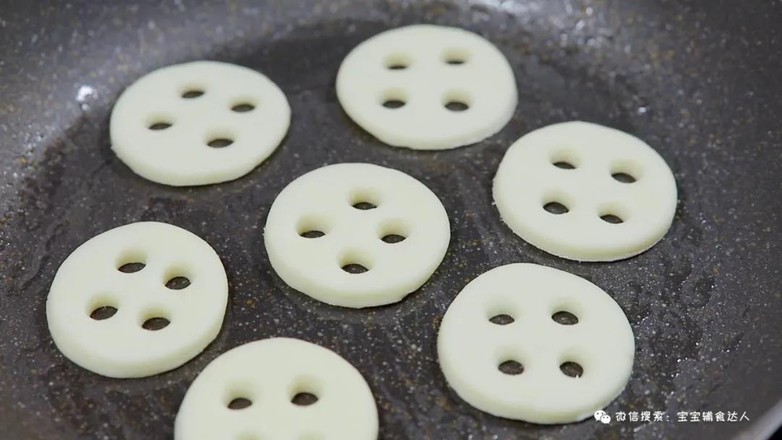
427	67
235	104
328	200
96	278
265	376
476	337
588	169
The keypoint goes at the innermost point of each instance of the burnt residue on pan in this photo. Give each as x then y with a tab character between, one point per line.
695	79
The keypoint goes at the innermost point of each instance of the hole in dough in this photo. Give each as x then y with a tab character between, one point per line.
305	391
511	367
243	107
364	200
239	403
131	260
364	206
394	231
611	218
565	159
564	317
502	319
131	267
354	262
556	208
564	165
623	177
155	323
626	171
178	282
192	93
456	56
312	234
571	369
393	238
397	61
393	99
354	268
311	226
304	399
456	106
457	101
159	125
103	312
393	103
220	142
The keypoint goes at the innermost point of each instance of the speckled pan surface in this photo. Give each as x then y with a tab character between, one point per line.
697	80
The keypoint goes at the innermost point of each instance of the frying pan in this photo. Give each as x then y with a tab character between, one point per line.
699	80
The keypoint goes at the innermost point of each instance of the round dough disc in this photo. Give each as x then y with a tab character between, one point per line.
585	192
515	318
258	391
198	123
328	225
436	72
140	273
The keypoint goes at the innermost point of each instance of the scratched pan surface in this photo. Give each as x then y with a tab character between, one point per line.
698	80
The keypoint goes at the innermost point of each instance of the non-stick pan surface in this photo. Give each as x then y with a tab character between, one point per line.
699	80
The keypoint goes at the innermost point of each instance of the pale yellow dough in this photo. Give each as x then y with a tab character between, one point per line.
268	374
473	342
235	104
572	164
119	346
427	68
